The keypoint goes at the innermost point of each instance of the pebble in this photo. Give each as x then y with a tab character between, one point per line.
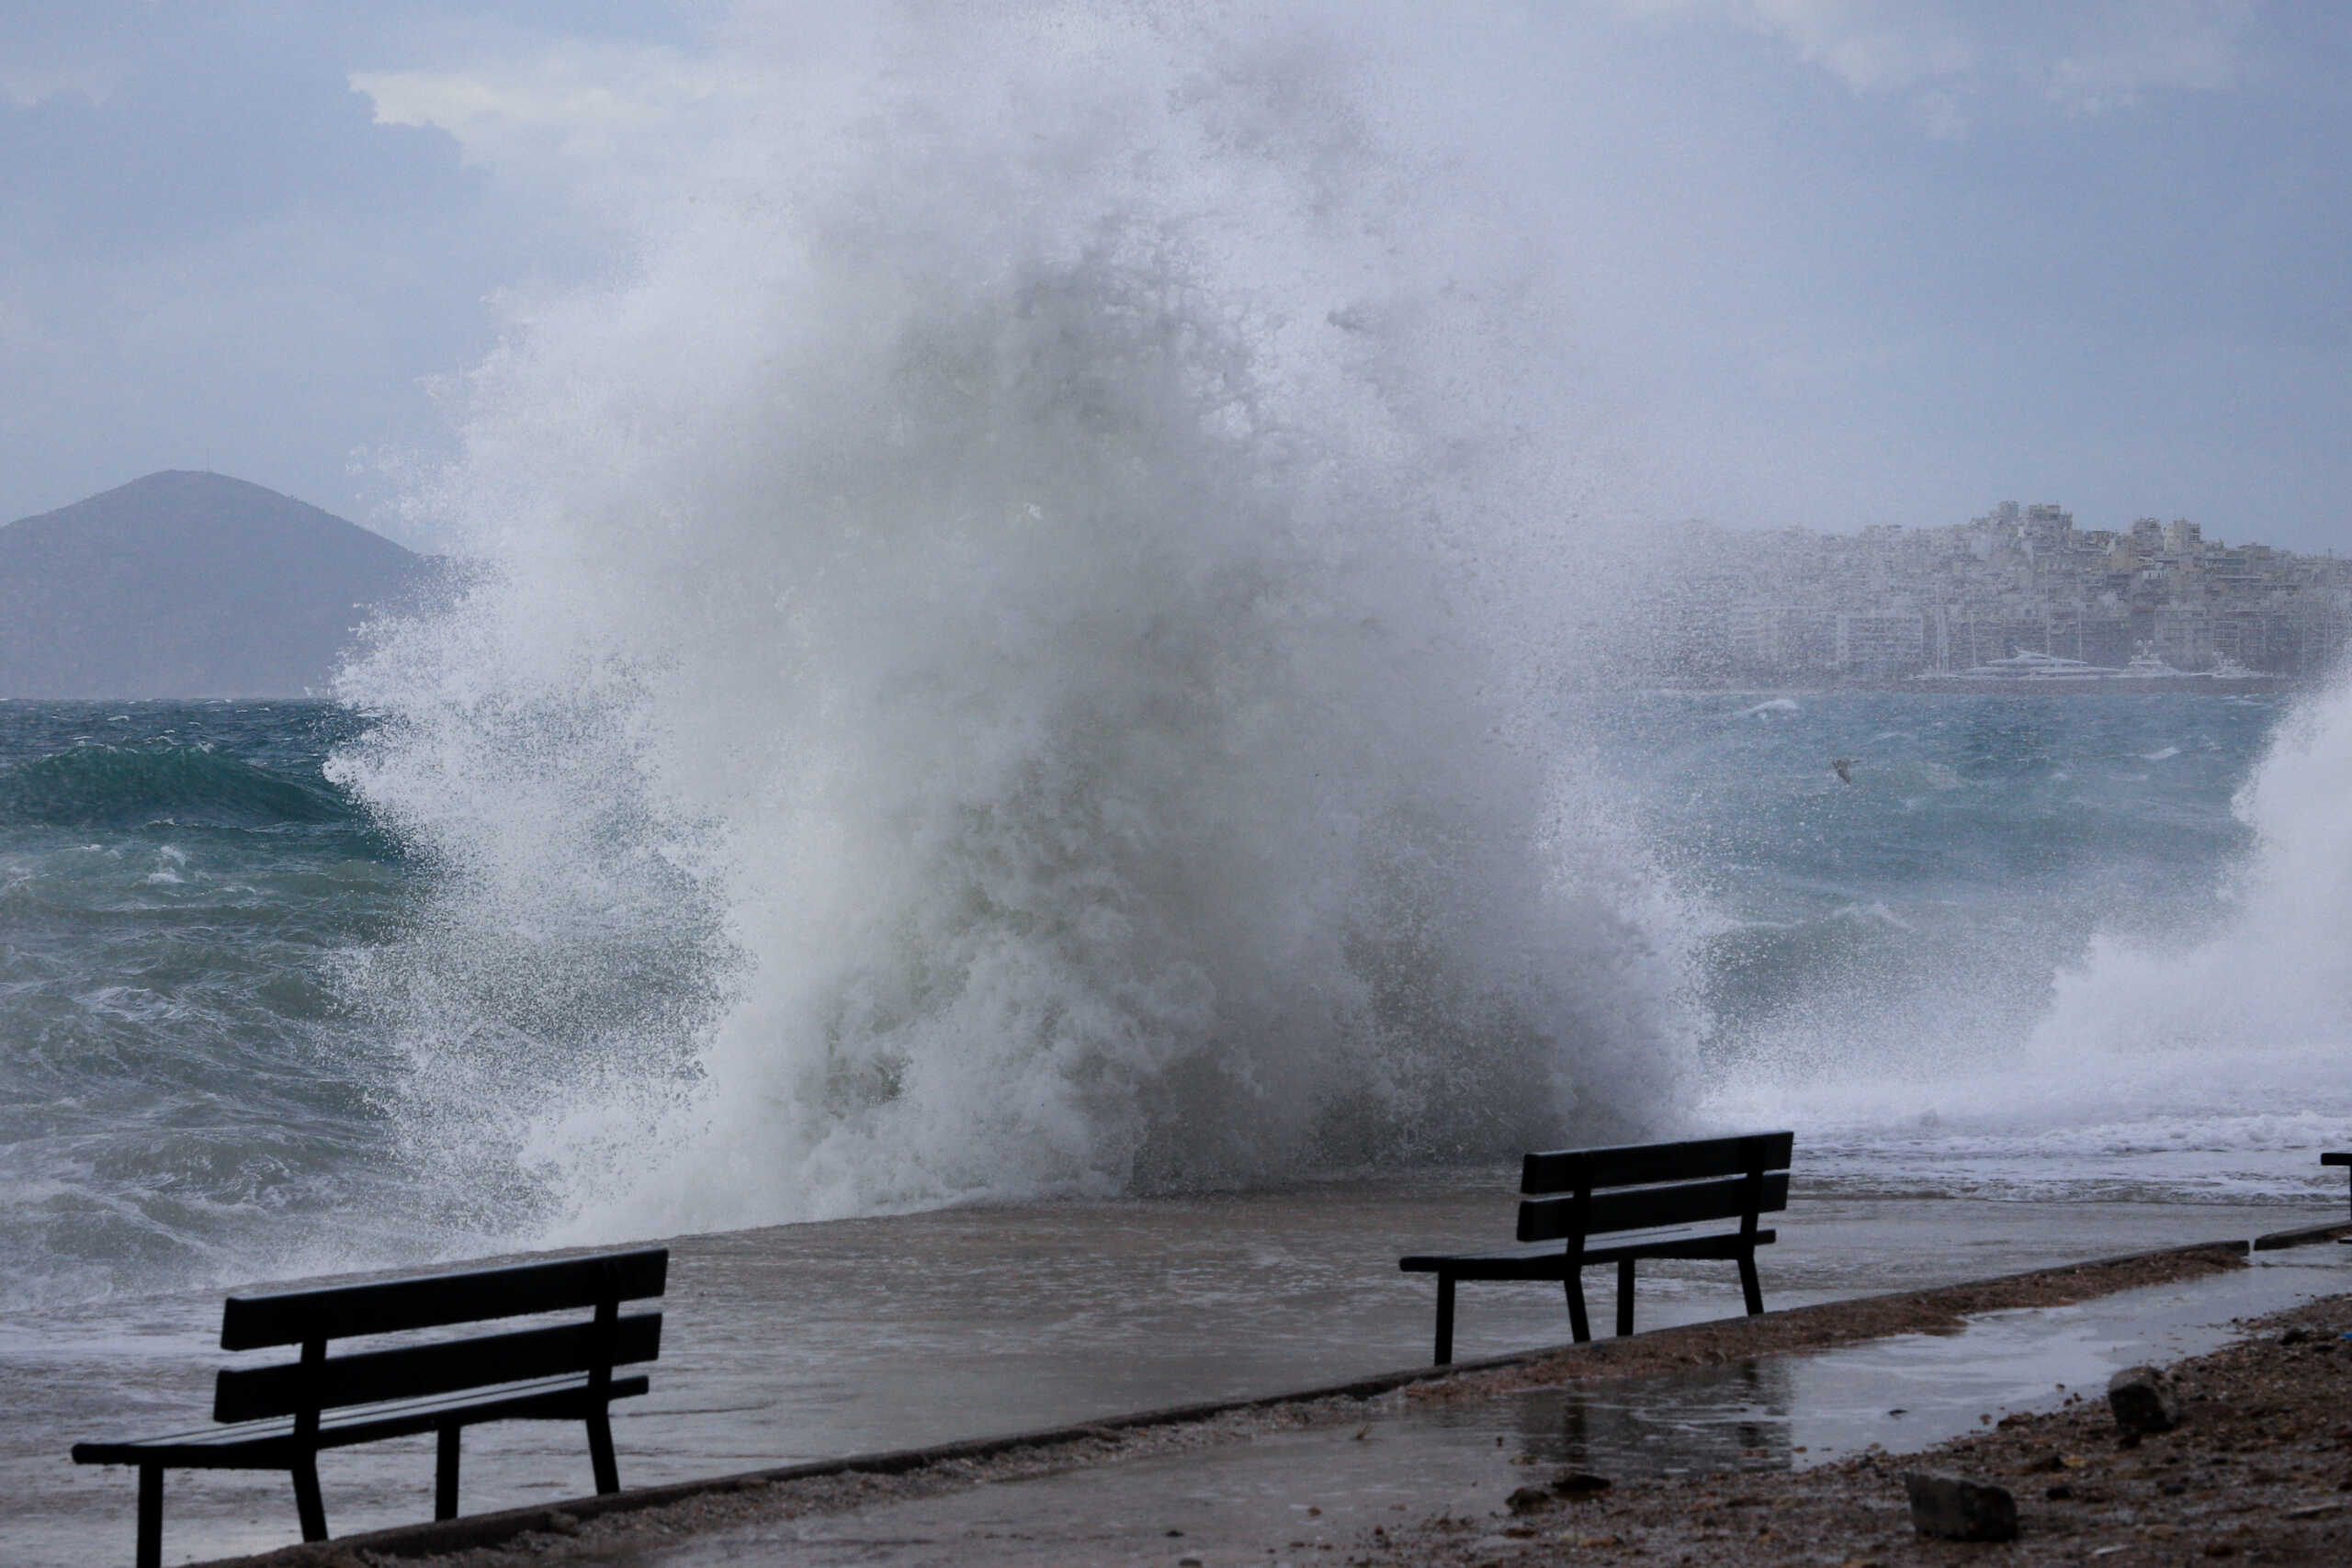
2143	1401
1953	1507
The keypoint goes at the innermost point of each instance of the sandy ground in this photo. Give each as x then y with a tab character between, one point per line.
2262	1468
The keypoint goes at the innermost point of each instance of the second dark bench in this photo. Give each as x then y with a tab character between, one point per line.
1580	1207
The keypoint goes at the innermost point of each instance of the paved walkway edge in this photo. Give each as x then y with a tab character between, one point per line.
493	1529
2306	1235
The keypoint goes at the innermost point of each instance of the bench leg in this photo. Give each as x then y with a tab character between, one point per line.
1749	1286
1579	1327
1444	1319
1625	1297
151	1516
600	1451
444	1473
313	1512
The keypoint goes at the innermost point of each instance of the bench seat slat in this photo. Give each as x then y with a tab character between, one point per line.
416	1370
1549	1262
1650	1208
270	1444
1634	1165
343	1311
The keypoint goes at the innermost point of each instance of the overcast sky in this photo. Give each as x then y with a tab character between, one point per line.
1837	262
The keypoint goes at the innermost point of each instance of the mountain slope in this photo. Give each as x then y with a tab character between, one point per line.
187	585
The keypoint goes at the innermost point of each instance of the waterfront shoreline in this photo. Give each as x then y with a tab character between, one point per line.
602	1529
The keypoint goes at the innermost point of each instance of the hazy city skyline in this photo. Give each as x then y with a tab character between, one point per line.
1892	602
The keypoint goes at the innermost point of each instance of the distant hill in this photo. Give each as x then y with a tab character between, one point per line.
189	585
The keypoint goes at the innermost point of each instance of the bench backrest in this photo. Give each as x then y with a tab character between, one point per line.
319	1381
1570	1194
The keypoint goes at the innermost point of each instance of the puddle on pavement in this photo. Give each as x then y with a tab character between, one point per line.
1900	1392
1292	1497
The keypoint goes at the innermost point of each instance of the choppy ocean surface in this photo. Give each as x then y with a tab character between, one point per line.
2030	948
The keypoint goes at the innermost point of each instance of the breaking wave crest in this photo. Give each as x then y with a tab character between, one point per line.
2179	1030
93	786
1012	660
2269	988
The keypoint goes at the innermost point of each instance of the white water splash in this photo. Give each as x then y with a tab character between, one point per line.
2265	1006
1012	659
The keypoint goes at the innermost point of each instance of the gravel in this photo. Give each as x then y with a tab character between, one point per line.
2259	1471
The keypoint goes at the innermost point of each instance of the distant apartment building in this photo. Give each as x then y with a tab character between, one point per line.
1880	642
1894	602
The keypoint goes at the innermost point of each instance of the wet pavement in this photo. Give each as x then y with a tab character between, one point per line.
1297	1496
813	1341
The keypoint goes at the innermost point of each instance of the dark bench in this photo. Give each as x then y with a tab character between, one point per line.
1580	1207
280	1416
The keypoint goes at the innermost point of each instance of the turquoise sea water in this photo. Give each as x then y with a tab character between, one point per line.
181	1091
193	1088
1972	848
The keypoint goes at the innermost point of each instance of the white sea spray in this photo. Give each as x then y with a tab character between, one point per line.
1014	657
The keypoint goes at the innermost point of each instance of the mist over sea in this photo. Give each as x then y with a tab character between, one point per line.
2025	954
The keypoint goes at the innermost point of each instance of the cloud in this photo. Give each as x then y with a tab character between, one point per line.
26	86
2121	52
1872	46
1950	61
576	114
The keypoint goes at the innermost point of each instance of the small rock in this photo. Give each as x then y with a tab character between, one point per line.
557	1522
2143	1401
1952	1507
2294	1336
1529	1500
1574	1483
